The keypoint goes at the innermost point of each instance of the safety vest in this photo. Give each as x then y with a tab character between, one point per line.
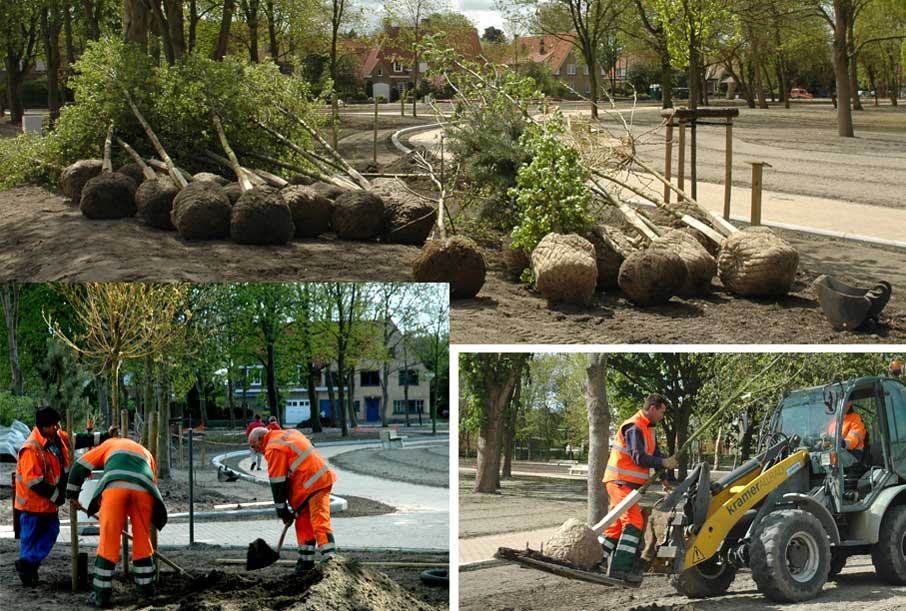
620	465
38	472
122	460
853	432
295	469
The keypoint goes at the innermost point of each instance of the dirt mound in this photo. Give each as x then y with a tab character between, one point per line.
565	268
756	262
651	277
133	171
346	585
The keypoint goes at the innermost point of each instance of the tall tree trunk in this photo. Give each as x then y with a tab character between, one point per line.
51	24
93	19
147	396
271	374
14	83
313	406
251	22
273	46
385	392
164	440
10	294
176	26
872	80
598	410
193	24
137	21
666	81
231	403
759	84
202	400
853	62
509	437
487	476
100	385
693	73
353	420
163	30
341	393
593	85
842	73
331	398
223	38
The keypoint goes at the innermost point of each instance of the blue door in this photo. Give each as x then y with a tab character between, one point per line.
372	409
324	408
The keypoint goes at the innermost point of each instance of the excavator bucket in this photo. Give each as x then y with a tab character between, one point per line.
849	307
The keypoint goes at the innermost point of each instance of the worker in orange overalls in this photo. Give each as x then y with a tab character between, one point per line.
128	488
852	435
42	469
633	454
300	481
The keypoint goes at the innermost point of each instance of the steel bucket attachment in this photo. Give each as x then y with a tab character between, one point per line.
849	307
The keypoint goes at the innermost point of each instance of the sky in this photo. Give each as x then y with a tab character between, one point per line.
481	12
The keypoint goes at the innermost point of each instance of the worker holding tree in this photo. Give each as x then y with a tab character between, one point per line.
128	488
42	471
633	454
300	481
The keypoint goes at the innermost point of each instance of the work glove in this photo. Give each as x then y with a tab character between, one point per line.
669	463
285	514
113	431
61	492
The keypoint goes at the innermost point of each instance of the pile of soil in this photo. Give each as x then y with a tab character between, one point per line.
426	466
344	584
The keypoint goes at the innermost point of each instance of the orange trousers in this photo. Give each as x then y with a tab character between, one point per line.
118	501
617	493
313	522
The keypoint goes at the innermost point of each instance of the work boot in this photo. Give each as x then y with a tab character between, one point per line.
622	562
103	583
328	549
306	561
97	600
630	577
28	572
608	544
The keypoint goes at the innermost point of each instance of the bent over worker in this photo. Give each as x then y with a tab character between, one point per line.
127	488
300	481
632	456
42	470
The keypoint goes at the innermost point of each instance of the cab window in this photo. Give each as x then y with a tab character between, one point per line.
895	397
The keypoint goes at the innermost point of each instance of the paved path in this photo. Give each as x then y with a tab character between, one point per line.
799	212
476	549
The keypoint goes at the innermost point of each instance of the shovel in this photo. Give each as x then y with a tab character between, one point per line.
261	555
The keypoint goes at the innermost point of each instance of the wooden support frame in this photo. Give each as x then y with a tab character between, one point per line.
728	168
757	183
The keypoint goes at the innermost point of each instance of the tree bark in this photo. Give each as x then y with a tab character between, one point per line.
273	46
10	294
598	434
853	61
193	24
223	38
842	73
341	394
331	398
666	81
147	396
51	24
176	25
314	374
137	21
498	395
163	444
91	16
251	21
353	421
271	375
509	437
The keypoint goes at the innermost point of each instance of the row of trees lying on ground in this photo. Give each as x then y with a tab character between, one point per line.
97	348
530	406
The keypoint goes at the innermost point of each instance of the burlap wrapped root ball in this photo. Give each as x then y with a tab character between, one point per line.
201	211
74	177
109	195
407	219
133	171
211	177
456	260
154	201
328	190
233	191
311	211
358	215
700	265
607	256
756	262
260	216
652	276
515	258
565	268
576	543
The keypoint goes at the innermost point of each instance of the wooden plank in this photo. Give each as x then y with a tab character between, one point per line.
700	113
693	222
668	160
728	169
536	560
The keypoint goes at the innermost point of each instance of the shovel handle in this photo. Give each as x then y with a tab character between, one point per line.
283	536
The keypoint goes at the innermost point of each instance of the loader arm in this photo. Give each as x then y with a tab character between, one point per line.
731	504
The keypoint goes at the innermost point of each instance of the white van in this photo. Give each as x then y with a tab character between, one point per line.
297	410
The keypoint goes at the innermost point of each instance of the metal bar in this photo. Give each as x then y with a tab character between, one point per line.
74	515
728	169
191	489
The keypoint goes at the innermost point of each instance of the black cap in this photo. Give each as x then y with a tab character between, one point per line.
47	417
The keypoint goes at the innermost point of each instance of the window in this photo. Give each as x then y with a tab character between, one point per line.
416	406
409	377
587	89
895	400
380	71
254	376
397	66
571	69
369	378
557	72
585	70
355	407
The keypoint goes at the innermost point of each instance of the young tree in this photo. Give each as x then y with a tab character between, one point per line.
19	29
9	292
598	433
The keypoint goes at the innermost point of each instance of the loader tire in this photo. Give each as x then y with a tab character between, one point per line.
790	556
889	553
710	578
838	561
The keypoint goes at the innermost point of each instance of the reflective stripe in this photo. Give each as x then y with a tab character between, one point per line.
301	458
103	572
21	501
85	463
277	480
328	547
618	448
630	538
626	548
315	477
102	585
19	477
138	568
73	487
279	505
641	473
34	481
144	580
55	495
109	475
124	451
306	548
97	438
128	485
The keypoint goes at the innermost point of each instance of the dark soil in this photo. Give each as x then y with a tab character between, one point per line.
426	466
344	585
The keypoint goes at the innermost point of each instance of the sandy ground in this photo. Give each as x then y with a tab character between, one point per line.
505	311
426	466
802	146
212	586
513	588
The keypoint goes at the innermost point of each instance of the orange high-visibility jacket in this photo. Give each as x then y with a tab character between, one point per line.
853	432
620	466
38	472
295	469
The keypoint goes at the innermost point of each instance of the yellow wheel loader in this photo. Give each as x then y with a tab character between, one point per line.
797	510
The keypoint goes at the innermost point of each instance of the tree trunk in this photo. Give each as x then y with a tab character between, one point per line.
666	80
51	24
202	401
385	393
759	85
842	74
91	15
176	25
163	444
353	421
137	21
853	62
14	82
251	20
147	396
331	398
313	406
598	434
271	374
693	73
193	24
872	80
273	47
100	385
223	38
509	437
231	404
163	30
341	394
10	294
487	476
593	85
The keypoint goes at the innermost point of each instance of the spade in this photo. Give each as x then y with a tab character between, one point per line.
260	553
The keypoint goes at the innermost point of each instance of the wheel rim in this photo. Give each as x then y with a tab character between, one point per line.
711	569
802	556
903	545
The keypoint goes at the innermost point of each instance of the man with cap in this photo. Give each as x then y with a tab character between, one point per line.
253	453
633	454
42	472
300	481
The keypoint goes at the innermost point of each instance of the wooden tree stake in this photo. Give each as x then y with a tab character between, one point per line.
175	174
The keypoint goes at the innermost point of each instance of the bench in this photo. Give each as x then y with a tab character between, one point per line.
391	438
578	470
